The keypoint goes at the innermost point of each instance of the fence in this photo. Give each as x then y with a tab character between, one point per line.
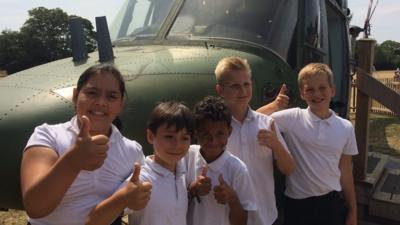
378	108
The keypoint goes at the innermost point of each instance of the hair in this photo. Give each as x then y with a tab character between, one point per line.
315	69
171	113
229	64
99	69
212	108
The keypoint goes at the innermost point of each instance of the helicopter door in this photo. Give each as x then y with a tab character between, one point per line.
339	57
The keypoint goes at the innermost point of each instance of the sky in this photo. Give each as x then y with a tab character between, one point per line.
13	13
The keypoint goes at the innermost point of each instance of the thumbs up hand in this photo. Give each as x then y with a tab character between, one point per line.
88	152
202	185
223	193
137	193
282	100
268	138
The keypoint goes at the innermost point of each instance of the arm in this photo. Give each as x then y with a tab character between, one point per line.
41	171
45	175
133	195
281	102
224	194
347	182
269	138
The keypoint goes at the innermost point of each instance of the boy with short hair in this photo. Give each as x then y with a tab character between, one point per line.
169	129
213	167
254	139
322	145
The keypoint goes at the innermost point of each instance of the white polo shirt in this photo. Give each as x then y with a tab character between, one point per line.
316	146
235	174
168	201
243	143
89	187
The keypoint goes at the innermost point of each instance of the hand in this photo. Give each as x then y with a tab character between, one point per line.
268	138
202	185
88	153
223	193
137	193
282	100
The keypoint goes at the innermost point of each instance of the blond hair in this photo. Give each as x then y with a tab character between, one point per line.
226	65
315	69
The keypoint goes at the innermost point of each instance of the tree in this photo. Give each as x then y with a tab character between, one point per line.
387	55
44	37
11	51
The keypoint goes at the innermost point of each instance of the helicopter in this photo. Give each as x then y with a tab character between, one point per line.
168	50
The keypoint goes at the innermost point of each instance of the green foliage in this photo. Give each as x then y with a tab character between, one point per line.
387	55
44	37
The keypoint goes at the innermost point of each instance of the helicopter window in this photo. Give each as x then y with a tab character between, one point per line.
266	22
315	32
141	19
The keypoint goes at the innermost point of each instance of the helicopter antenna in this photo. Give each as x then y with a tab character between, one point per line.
367	23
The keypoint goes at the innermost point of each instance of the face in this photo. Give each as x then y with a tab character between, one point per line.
317	92
236	89
213	137
100	100
169	145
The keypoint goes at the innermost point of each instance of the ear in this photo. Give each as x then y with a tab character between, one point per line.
333	90
150	136
218	89
75	95
301	93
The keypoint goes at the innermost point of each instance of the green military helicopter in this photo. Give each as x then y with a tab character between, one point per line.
168	49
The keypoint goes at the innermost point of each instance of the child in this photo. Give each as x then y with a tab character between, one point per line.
69	168
170	128
322	145
254	139
211	166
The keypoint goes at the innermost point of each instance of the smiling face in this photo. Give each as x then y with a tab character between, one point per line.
100	99
317	91
236	89
212	137
169	145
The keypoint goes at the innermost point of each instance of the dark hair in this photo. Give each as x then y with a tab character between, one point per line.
98	69
212	108
171	113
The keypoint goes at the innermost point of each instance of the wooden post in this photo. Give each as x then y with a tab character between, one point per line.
365	60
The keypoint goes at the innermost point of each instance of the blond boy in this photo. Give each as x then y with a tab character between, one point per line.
322	145
254	139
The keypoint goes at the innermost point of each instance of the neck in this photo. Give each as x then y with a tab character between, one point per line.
322	114
169	166
239	113
210	158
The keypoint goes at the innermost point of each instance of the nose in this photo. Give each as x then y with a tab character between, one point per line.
101	101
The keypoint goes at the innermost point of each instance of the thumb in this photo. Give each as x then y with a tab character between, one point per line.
221	179
283	89
136	173
204	171
85	127
273	126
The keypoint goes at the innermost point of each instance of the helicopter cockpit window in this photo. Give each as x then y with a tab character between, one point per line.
315	33
245	20
140	19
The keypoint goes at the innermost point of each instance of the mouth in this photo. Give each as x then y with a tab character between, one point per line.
97	113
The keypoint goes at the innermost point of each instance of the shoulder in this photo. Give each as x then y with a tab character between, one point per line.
235	164
343	123
292	112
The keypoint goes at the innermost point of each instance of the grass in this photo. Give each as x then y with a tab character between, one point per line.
383	138
384	135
